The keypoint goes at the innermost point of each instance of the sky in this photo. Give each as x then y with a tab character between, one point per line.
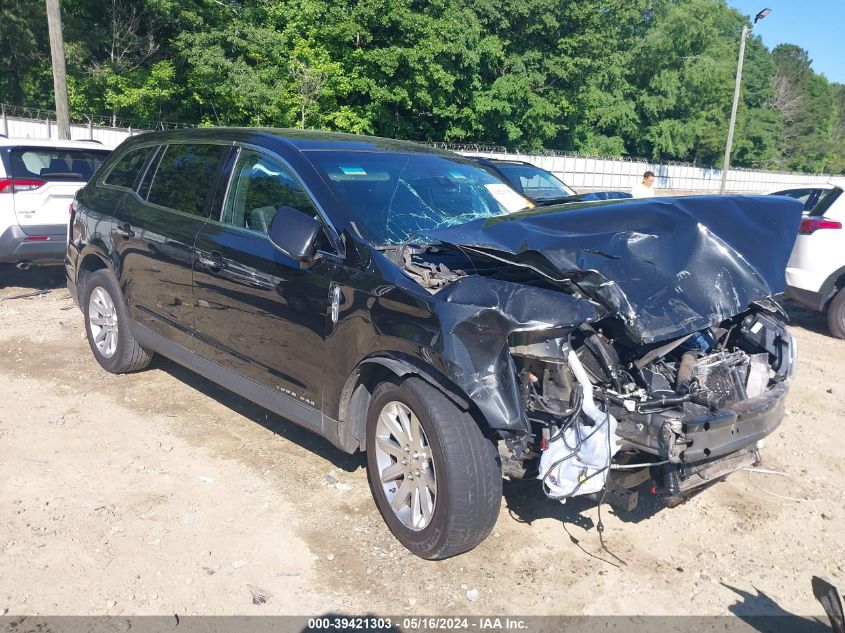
817	26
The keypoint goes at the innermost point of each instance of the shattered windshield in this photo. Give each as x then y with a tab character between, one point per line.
397	197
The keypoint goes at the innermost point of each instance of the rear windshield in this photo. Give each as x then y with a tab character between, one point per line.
397	197
808	196
825	202
46	163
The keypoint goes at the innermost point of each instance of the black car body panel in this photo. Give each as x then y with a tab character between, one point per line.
666	266
480	309
243	287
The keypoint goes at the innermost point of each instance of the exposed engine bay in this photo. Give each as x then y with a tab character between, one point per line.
682	413
634	355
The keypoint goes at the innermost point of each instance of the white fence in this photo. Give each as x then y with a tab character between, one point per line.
588	173
580	172
15	127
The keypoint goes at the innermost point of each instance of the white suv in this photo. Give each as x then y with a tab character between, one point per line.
38	180
815	274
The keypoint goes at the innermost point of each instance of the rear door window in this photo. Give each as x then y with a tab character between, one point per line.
55	164
185	178
125	171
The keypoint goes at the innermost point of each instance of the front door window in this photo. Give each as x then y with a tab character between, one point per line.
260	186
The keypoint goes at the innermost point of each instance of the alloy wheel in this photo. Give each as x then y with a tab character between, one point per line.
102	318
405	465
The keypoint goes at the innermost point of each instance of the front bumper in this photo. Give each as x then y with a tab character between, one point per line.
716	444
736	426
704	435
18	246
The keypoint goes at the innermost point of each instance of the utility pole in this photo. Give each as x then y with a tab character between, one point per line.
57	51
727	162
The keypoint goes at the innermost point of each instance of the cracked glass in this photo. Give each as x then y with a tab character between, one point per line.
398	197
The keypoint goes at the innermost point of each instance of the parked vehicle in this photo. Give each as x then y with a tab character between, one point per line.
815	274
809	196
38	180
402	301
542	187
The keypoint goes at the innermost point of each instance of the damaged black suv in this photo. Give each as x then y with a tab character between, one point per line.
403	301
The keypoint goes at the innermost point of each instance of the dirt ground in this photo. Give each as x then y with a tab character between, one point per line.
160	493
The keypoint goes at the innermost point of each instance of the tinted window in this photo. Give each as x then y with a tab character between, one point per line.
397	197
185	177
149	172
127	168
52	164
808	196
534	182
260	185
798	194
827	199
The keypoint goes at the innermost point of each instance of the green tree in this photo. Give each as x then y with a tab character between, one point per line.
686	68
810	125
615	77
24	55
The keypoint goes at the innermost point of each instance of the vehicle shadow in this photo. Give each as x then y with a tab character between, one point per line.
527	503
36	278
765	615
270	421
805	318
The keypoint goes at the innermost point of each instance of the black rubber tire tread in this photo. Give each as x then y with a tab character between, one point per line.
129	355
469	476
836	315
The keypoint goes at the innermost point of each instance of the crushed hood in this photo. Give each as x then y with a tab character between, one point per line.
666	266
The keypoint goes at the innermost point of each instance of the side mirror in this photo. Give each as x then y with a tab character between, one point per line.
294	233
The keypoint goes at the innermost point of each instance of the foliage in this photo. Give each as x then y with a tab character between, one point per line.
614	77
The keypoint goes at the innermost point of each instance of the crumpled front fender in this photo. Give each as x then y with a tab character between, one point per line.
477	316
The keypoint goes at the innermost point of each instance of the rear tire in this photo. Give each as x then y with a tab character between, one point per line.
446	451
107	326
836	315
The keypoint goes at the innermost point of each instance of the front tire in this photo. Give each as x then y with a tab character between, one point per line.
107	326
434	476
836	315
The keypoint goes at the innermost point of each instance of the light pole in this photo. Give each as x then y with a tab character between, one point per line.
745	30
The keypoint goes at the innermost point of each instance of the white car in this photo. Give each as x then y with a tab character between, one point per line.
38	180
815	274
809	195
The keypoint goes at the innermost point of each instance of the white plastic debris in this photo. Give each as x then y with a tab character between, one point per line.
577	462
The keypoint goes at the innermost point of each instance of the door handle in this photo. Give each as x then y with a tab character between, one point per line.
213	261
125	230
335	295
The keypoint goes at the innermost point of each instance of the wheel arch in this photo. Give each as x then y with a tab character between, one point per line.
833	284
358	388
89	262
